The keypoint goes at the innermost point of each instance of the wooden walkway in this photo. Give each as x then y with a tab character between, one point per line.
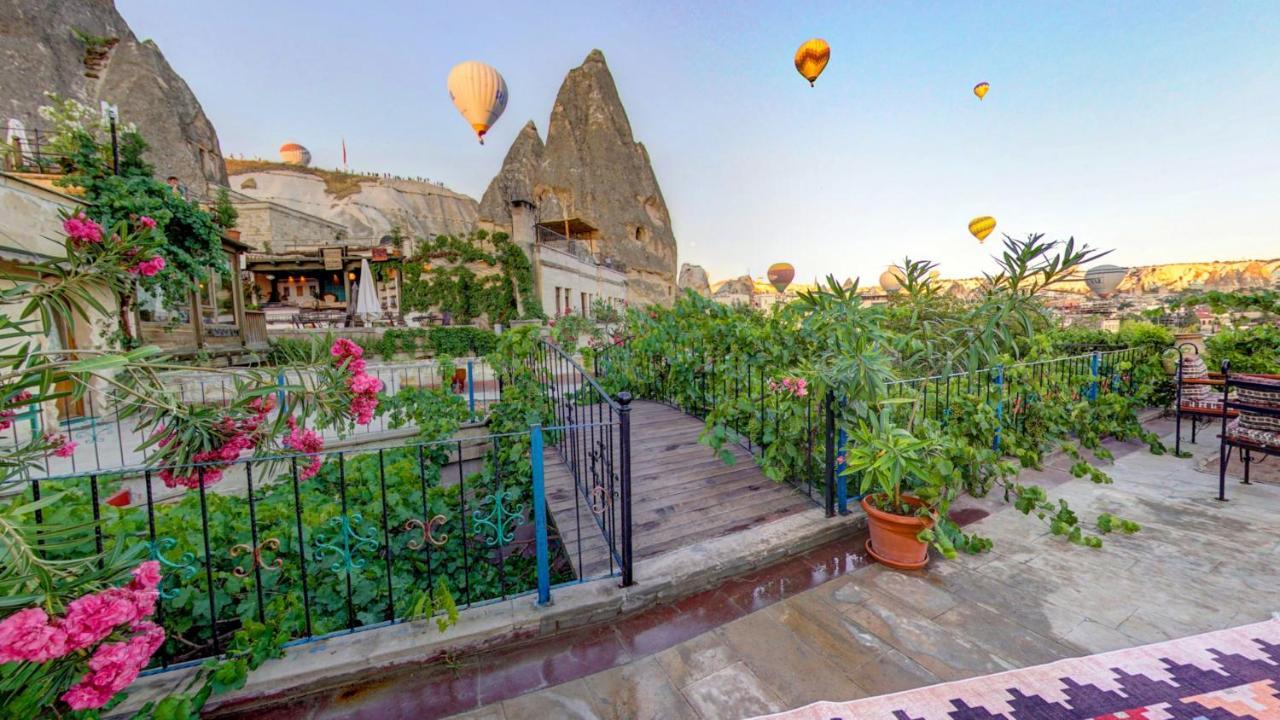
681	493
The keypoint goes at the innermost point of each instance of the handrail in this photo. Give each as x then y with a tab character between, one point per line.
591	380
1031	363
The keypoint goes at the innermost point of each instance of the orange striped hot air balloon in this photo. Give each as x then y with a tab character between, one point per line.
780	276
981	89
811	58
981	227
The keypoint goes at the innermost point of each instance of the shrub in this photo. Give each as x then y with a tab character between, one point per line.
1255	349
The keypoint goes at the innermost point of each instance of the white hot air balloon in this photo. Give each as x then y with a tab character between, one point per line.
1104	279
479	93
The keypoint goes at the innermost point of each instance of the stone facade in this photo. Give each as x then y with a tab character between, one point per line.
569	283
271	227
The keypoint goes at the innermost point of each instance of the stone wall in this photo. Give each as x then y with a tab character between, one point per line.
263	224
560	271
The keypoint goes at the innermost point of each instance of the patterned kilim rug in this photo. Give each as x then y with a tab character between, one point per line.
1219	675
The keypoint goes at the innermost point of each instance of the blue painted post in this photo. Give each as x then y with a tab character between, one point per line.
540	515
280	392
1093	370
995	442
471	388
842	482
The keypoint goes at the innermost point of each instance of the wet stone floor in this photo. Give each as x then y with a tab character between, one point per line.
829	626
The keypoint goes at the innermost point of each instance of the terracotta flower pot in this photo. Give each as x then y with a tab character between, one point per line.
893	537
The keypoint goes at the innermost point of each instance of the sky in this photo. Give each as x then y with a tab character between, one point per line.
1148	128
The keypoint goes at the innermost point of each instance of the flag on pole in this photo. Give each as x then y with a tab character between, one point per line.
344	153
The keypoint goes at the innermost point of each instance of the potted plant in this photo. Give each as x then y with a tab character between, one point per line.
899	478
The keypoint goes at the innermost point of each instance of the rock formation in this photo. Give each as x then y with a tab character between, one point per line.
739	286
693	277
592	168
368	206
83	49
1224	275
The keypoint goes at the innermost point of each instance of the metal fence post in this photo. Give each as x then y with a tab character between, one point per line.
540	515
995	442
831	454
842	483
624	453
471	388
1093	372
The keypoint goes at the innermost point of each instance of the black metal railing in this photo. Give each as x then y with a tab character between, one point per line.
341	541
765	415
595	447
799	433
30	150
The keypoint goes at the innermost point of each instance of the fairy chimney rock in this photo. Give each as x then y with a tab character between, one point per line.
593	169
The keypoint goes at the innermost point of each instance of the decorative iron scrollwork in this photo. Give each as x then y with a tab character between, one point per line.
599	499
500	521
346	543
184	566
428	537
270	544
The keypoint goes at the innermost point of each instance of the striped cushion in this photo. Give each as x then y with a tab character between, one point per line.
1236	429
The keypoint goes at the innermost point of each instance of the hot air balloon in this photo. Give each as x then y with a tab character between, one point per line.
981	227
780	276
891	279
479	93
1104	279
291	153
811	58
981	89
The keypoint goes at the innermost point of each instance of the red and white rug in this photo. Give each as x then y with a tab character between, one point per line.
1231	673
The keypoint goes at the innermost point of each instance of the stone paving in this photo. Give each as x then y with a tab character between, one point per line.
1198	565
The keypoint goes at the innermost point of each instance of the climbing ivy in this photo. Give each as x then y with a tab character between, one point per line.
452	284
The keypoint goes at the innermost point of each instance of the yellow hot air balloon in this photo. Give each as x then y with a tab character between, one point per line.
479	93
981	89
780	276
981	227
811	58
891	279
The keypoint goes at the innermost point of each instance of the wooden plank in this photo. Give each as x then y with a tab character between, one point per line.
682	492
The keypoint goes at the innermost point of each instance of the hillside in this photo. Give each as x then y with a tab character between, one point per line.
367	205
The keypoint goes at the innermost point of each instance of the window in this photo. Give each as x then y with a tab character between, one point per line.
586	305
558	311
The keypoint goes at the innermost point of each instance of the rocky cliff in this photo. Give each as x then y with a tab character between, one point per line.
1225	275
592	168
367	205
694	277
83	49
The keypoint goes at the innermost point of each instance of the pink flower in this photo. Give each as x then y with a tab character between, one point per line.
148	268
305	441
344	348
27	635
91	618
364	384
147	222
146	576
114	666
81	229
66	450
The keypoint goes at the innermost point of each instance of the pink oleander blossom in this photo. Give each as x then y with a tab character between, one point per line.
114	666
80	229
29	636
148	268
306	441
344	348
794	386
147	222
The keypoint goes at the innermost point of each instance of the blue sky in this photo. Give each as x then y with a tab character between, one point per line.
1149	127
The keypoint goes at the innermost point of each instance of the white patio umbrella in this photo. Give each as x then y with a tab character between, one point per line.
367	306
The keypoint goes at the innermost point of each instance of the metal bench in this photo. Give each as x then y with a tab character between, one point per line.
1255	427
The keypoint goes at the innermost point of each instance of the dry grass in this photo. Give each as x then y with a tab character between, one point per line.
336	183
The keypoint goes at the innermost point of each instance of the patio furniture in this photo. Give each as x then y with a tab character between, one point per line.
321	318
1256	428
1196	397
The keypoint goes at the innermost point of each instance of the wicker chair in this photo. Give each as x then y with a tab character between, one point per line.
1256	426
